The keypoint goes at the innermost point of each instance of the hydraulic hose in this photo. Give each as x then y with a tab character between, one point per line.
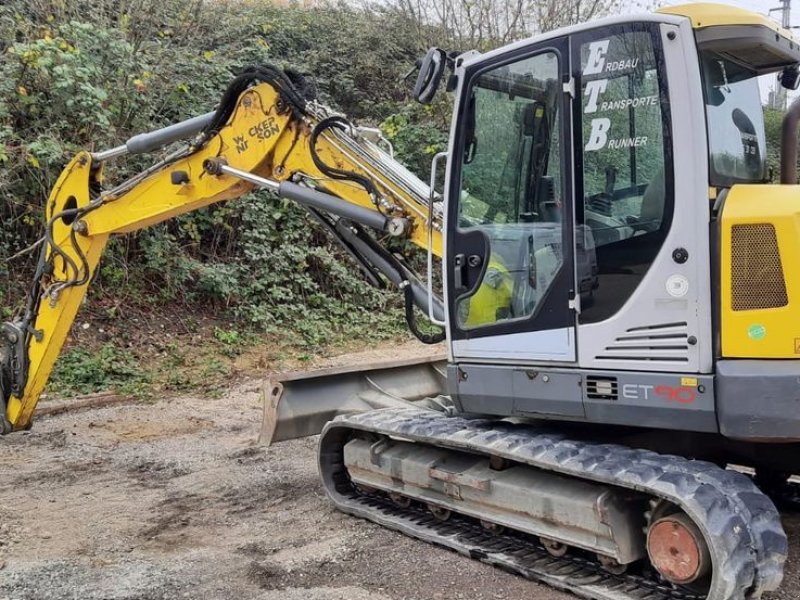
411	321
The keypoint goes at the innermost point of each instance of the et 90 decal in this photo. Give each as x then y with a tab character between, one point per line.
681	395
668	393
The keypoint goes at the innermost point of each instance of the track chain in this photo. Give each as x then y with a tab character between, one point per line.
520	554
741	525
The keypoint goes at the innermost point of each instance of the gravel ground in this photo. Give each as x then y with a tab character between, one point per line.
175	500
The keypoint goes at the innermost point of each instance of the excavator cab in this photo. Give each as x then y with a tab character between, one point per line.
592	224
598	204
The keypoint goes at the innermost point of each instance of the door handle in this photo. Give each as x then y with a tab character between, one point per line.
460	271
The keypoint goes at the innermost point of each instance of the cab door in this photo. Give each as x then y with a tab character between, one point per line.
509	250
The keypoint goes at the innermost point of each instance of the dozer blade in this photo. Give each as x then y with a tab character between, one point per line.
299	404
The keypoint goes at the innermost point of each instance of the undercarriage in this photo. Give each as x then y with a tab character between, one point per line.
603	511
601	520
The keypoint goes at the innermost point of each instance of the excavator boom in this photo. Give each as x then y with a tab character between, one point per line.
265	134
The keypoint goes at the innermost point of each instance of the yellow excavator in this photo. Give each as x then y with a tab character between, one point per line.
621	319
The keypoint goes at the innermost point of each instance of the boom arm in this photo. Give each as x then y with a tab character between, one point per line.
264	133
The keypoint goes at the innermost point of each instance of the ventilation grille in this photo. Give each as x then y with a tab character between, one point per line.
756	272
664	342
602	388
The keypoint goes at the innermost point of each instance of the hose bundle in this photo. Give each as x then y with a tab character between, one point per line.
334	172
293	87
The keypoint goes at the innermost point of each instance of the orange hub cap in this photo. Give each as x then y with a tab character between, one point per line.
677	549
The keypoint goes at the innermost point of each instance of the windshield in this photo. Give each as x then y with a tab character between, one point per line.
736	139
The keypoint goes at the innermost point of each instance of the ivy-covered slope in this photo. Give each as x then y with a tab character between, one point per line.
75	75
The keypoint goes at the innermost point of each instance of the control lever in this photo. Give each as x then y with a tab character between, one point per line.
532	267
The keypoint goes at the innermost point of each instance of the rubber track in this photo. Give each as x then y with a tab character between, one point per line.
741	525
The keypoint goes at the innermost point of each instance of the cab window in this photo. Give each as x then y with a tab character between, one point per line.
626	208
736	137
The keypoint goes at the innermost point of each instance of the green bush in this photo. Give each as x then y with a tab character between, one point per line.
80	371
88	75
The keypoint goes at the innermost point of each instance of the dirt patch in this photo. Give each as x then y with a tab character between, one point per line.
139	429
156	473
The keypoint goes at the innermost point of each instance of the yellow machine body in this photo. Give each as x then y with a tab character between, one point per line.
759	250
711	14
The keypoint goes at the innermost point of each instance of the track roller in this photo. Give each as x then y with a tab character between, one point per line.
400	500
553	547
612	565
439	513
492	527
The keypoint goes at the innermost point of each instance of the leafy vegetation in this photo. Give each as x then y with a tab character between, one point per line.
74	76
80	371
772	125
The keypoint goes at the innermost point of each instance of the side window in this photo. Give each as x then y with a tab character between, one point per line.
626	203
511	187
737	141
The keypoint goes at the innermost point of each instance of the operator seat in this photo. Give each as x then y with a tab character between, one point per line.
652	212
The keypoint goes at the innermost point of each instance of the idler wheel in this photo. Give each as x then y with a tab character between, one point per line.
677	549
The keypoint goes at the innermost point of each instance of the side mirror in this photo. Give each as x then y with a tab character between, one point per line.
790	77
430	75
